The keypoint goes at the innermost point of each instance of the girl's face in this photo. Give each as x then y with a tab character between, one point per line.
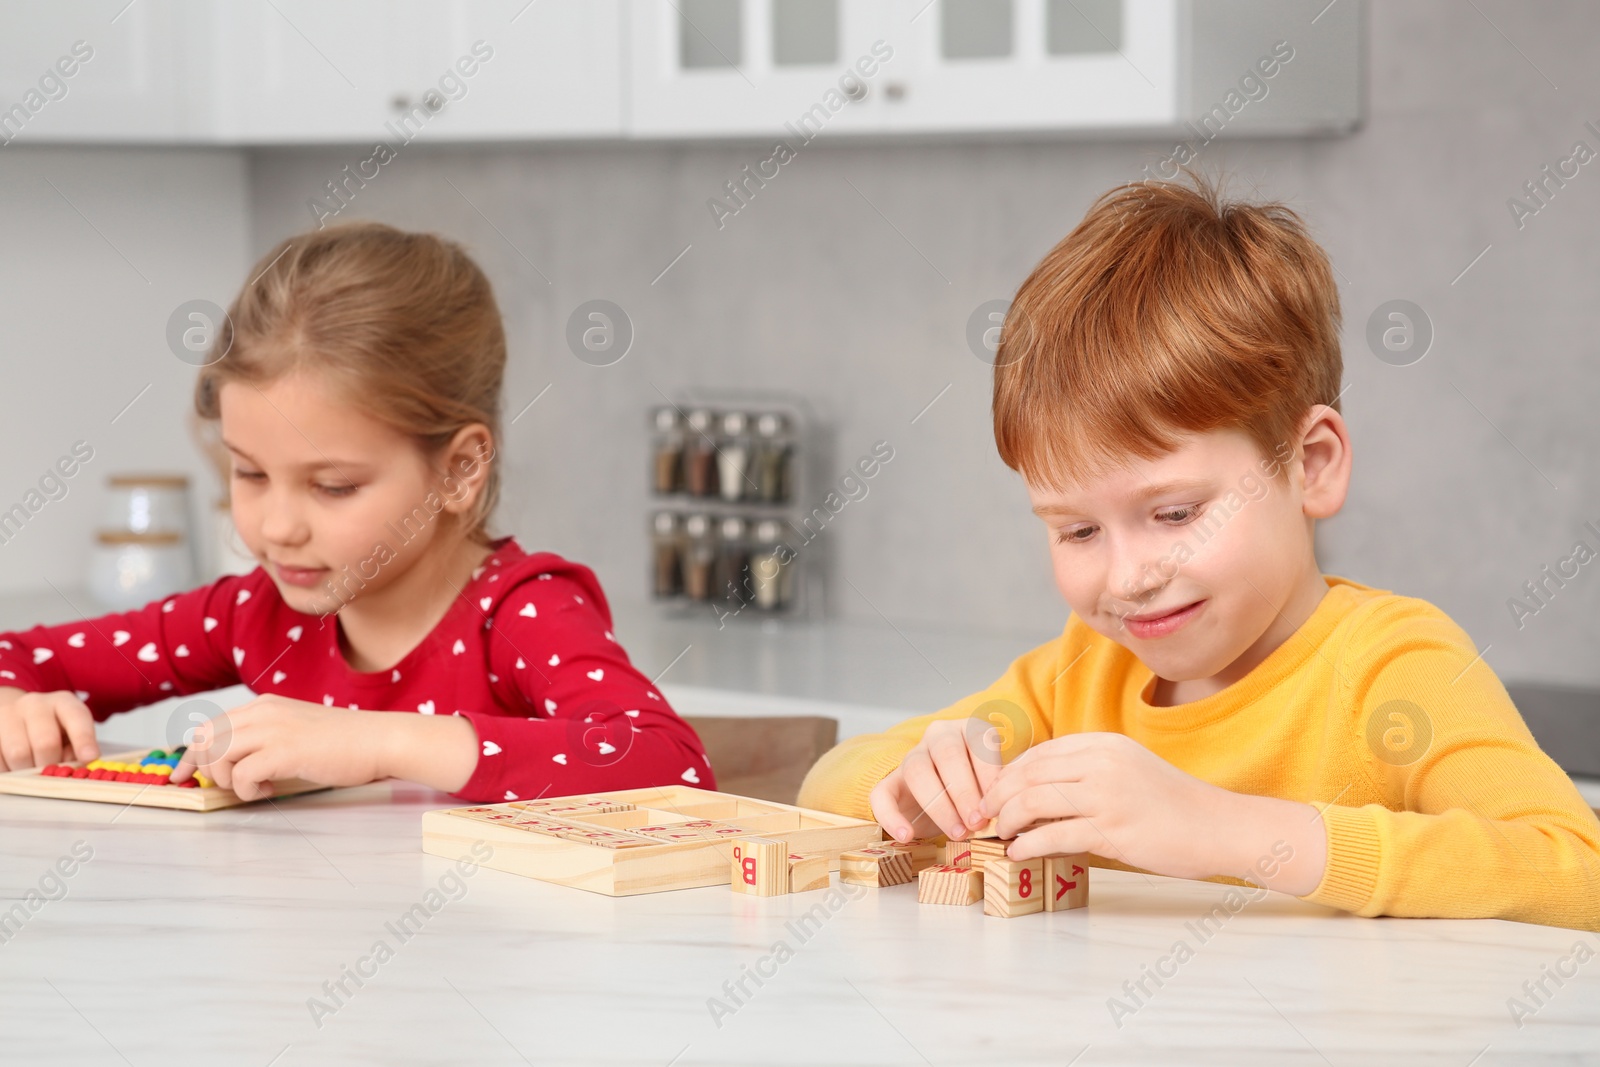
332	502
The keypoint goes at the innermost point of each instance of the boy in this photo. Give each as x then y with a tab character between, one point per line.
1167	385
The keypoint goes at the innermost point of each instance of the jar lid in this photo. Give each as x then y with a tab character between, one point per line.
768	530
700	420
770	424
697	525
733	528
666	522
130	537
148	481
667	419
734	423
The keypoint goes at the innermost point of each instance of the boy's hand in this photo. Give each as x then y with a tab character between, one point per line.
38	729
274	737
1107	794
938	786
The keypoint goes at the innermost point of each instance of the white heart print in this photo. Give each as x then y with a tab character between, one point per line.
631	714
459	647
238	656
41	654
76	640
560	757
485	601
555	660
295	632
327	698
148	653
244	594
550	707
167	607
491	749
120	638
606	748
394	675
210	624
691	777
181	650
510	795
597	674
520	664
529	611
426	707
278	676
651	695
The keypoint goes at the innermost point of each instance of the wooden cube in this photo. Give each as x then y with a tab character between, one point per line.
807	871
988	829
985	849
1013	887
1068	879
948	884
924	853
957	854
877	866
760	867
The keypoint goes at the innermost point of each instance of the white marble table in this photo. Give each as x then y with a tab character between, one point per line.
194	938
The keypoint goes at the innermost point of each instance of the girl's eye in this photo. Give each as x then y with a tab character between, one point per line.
252	476
1075	536
336	490
1179	516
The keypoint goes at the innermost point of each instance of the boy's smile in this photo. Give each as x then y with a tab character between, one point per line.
1200	561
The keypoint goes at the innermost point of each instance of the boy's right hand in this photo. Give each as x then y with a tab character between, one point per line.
38	729
938	786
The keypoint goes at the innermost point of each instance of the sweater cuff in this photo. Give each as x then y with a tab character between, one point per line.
1354	852
846	788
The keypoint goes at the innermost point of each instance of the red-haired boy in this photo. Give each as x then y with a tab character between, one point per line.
1167	384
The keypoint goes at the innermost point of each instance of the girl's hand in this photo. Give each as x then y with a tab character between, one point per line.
38	729
938	786
274	737
1107	794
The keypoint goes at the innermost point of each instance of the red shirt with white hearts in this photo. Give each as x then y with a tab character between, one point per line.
526	653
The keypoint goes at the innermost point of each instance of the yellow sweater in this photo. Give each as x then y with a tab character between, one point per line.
1378	711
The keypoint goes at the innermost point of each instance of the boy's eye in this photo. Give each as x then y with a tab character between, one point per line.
1076	535
1179	516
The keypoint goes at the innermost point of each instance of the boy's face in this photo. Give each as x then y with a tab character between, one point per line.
1188	560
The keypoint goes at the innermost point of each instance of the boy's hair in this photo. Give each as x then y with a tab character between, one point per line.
404	324
1167	310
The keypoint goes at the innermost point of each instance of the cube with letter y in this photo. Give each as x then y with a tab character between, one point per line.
1068	879
760	867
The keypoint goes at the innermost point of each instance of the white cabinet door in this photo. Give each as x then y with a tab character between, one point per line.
1021	65
779	68
365	70
91	71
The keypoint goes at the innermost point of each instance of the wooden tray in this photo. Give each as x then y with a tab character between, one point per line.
634	840
30	783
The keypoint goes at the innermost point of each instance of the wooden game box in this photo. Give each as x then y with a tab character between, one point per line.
31	783
635	840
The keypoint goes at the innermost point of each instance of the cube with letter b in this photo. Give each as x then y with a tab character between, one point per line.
760	867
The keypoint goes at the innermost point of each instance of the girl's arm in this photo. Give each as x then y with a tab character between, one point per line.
592	721
180	644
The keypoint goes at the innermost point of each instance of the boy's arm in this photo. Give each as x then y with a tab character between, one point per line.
1484	824
1019	707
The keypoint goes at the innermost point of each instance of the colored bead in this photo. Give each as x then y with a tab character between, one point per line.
203	780
190	784
155	754
80	772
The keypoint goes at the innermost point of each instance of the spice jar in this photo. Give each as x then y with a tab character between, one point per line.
733	584
700	558
667	580
772	452
666	467
700	455
733	457
771	562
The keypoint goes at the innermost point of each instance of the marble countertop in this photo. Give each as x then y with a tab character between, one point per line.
220	938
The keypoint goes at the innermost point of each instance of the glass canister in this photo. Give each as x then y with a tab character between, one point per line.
733	457
700	557
733	585
666	542
773	453
700	454
666	452
771	567
128	570
148	503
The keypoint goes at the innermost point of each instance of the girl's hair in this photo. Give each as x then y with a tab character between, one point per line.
404	324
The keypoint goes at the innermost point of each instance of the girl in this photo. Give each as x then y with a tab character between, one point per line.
386	634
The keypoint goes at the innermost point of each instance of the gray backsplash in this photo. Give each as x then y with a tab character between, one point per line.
851	276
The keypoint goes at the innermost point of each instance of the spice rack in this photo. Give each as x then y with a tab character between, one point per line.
727	483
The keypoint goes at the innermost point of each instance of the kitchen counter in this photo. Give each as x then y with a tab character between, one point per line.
222	937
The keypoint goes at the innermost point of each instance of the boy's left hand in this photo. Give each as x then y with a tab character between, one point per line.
274	737
1111	796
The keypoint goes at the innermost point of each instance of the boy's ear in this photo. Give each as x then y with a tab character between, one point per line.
1325	462
464	463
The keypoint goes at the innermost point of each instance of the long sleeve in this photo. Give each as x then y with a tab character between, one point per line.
1475	820
170	647
592	720
1019	706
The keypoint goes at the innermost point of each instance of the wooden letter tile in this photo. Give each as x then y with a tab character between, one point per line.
807	871
760	867
985	849
1013	887
958	854
948	884
877	867
923	853
1068	879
